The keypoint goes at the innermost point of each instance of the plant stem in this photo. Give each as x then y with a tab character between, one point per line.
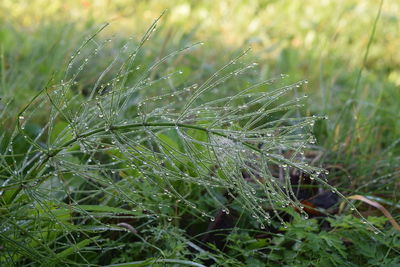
54	152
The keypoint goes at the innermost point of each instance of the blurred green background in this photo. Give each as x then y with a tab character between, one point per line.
347	50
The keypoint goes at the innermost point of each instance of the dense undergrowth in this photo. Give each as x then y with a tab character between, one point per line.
137	152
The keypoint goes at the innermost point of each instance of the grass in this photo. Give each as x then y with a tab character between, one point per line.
154	152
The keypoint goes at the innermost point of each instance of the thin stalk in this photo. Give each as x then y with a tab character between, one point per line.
54	152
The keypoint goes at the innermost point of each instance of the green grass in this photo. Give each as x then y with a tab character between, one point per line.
84	185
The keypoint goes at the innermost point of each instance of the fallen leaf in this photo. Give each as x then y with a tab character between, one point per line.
378	206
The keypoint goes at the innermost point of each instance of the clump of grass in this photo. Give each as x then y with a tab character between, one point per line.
133	149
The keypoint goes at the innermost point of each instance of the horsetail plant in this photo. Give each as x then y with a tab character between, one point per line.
141	145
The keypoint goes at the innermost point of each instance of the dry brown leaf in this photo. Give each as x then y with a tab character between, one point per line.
378	206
